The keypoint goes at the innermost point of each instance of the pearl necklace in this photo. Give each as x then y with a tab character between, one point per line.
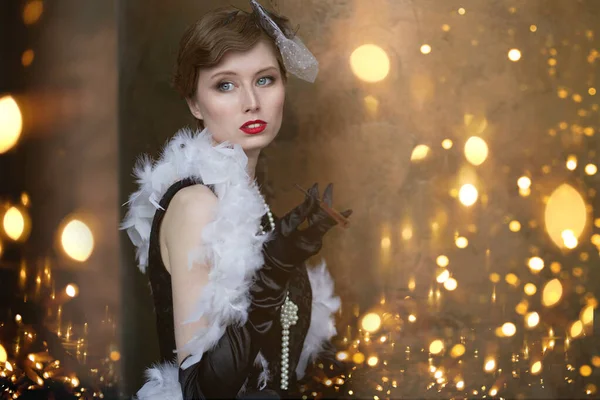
289	316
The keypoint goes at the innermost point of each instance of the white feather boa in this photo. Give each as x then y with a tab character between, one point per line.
231	246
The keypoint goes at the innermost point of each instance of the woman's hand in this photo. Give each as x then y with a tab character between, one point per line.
292	246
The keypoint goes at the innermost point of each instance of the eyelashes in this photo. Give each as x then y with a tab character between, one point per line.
221	85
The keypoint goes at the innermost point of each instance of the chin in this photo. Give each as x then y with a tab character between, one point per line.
256	142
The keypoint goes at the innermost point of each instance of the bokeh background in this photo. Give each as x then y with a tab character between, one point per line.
464	134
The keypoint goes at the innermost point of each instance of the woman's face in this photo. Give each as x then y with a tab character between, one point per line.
244	87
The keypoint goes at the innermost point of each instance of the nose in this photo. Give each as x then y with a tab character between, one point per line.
251	102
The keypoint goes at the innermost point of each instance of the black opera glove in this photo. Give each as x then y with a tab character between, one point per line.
291	246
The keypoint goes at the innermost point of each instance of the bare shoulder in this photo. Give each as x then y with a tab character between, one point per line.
190	209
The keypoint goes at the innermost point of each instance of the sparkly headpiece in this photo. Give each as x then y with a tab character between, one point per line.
298	60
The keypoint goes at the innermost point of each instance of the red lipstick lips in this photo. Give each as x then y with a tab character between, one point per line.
254	127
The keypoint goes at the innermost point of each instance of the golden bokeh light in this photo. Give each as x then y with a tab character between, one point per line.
460	385
33	11
11	123
532	319
524	182
476	150
536	264
386	242
425	49
457	350
495	277
468	194
576	329
451	284
371	104
536	367
371	322
552	293
565	212
77	240
14	223
342	355
412	318
27	57
591	169
436	347
373	361
72	290
462	11
419	152
442	261
530	289
447	144
571	163
533	28
522	307
3	355
585	370
443	276
592	91
370	63
514	55
512	279
509	329
587	314
461	242
115	355
358	358
490	365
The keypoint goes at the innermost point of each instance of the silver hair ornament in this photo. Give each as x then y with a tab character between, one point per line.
298	60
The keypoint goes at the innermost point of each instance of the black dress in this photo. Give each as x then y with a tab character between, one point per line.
299	291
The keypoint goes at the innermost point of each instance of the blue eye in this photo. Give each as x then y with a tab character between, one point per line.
223	88
265	80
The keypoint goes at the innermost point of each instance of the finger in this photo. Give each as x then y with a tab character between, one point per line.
314	190
328	195
321	226
296	216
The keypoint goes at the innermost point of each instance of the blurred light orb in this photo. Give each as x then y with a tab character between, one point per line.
72	290
591	169
115	355
342	355
370	63
461	242
576	329
533	28
419	152
509	329
512	279
425	49
536	367
565	212
530	289
490	365
3	355
552	293
14	223
447	144
524	182
371	104
11	123
77	240
460	385
532	319
32	11
585	370
451	284
476	150
587	314
535	264
442	261
358	358
457	350
436	347
468	194
27	57
462	11
443	276
386	242
514	226
592	91
373	361
571	163
371	322
514	55
412	318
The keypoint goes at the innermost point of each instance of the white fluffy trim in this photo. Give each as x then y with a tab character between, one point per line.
162	384
230	243
322	321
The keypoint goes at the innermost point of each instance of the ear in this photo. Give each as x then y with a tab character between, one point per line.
194	109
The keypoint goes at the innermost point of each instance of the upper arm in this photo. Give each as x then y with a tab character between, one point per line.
188	213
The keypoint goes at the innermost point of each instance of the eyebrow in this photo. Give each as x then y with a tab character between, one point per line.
233	73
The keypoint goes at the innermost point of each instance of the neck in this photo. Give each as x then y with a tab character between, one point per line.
252	161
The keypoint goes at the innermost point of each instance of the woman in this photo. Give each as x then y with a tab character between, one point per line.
238	312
